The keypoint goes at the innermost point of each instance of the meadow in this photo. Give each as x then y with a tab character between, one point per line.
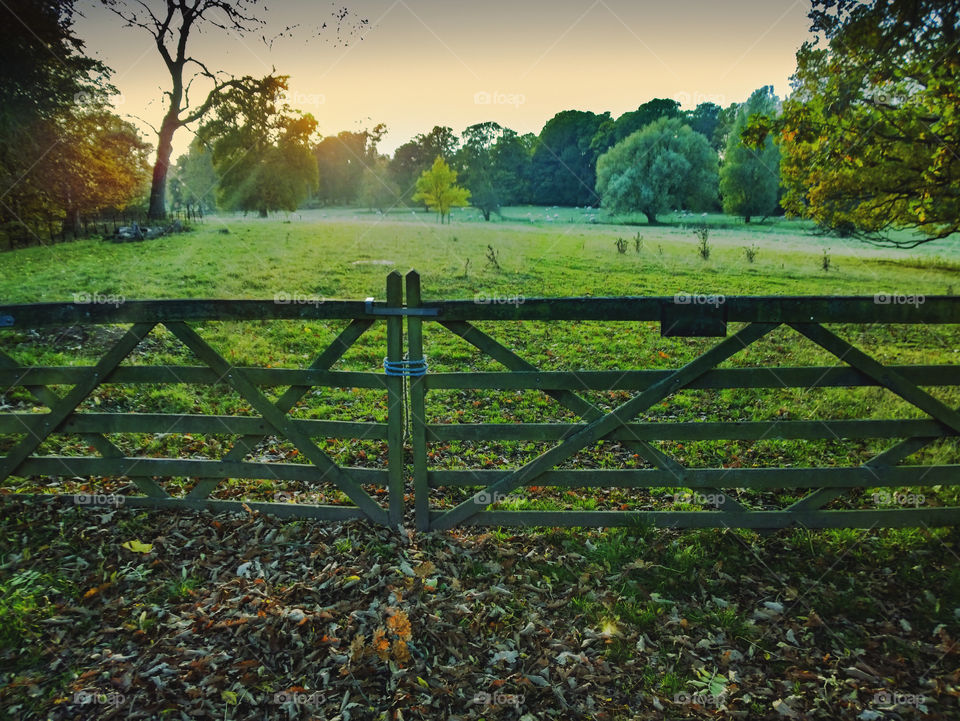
580	623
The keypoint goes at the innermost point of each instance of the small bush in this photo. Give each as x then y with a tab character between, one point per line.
638	242
751	253
621	246
825	261
703	246
493	257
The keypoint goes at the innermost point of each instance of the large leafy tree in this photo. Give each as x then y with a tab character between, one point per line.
377	189
44	79
260	147
486	167
563	164
438	189
871	135
665	166
342	160
750	176
101	163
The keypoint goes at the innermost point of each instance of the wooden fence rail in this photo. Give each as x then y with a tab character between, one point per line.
407	382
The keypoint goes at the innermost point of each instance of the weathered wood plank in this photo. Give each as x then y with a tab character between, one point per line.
87	423
417	391
126	466
68	375
746	309
694	431
395	399
896	518
638	380
281	510
704	478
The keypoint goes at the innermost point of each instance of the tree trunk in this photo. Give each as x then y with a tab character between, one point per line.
651	218
158	187
746	219
262	212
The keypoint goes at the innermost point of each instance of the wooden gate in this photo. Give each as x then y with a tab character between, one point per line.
273	420
760	315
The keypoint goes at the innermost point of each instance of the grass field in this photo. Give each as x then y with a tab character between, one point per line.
749	626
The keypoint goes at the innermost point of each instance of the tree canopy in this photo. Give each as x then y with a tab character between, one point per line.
665	166
750	176
438	189
871	136
260	147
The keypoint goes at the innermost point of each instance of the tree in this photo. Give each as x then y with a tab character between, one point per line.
704	119
871	136
171	24
490	184
342	161
665	166
416	155
101	163
563	164
193	182
437	188
260	147
377	190
750	176
44	79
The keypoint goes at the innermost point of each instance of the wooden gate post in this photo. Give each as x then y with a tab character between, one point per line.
395	401
418	423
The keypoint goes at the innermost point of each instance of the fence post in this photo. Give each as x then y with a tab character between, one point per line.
395	401
418	421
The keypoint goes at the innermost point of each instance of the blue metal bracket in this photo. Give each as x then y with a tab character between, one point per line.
6	321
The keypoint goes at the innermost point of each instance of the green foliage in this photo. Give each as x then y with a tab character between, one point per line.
870	135
666	166
377	190
61	151
563	164
193	181
260	148
344	161
437	188
415	156
750	176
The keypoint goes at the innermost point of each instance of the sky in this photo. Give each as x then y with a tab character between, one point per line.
421	63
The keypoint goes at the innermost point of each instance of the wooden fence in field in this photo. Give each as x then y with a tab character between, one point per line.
407	380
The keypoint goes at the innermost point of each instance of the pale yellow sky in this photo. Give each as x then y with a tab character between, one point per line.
424	63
